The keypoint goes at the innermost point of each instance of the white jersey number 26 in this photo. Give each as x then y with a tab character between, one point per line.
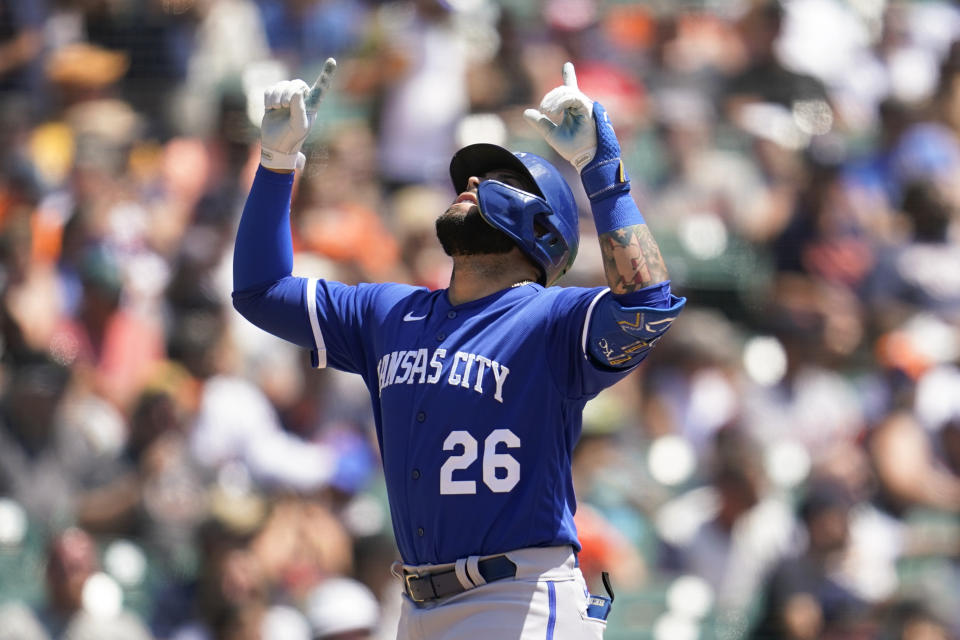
491	462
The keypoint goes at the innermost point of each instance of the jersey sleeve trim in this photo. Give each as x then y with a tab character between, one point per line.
318	357
586	321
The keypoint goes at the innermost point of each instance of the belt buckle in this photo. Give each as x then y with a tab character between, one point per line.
407	577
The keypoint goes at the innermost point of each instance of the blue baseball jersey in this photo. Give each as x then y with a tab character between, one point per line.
477	407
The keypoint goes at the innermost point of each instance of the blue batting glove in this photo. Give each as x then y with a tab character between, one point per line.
604	175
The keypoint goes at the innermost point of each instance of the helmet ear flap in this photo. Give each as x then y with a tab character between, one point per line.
530	221
552	244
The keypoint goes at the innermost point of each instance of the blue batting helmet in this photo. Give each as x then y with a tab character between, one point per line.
544	223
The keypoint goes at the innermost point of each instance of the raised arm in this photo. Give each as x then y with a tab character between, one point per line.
623	327
584	136
264	291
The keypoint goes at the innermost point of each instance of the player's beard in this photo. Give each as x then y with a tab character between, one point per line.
468	234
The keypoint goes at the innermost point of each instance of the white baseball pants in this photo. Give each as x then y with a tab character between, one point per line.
546	601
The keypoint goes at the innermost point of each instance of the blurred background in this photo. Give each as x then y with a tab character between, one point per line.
786	465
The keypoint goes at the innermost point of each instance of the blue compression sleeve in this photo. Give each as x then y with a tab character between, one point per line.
263	252
264	291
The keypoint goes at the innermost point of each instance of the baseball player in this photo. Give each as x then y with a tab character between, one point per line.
477	389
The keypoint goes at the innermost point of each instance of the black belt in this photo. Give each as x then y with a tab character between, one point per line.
431	586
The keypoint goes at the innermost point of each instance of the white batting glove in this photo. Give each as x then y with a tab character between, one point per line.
291	108
575	137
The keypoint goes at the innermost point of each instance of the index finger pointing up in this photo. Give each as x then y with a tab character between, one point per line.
315	94
569	75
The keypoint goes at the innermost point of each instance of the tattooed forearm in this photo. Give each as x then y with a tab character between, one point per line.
631	259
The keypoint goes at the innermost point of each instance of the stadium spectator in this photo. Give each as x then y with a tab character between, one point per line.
808	595
80	602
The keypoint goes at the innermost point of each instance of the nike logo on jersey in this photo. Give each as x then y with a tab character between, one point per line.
420	366
412	318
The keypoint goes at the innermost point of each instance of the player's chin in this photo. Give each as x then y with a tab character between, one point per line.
467	233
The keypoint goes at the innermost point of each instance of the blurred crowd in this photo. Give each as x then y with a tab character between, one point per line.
786	465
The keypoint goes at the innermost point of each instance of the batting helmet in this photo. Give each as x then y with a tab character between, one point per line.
544	224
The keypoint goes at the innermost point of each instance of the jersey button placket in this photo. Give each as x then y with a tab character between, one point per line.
421	416
420	532
415	474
